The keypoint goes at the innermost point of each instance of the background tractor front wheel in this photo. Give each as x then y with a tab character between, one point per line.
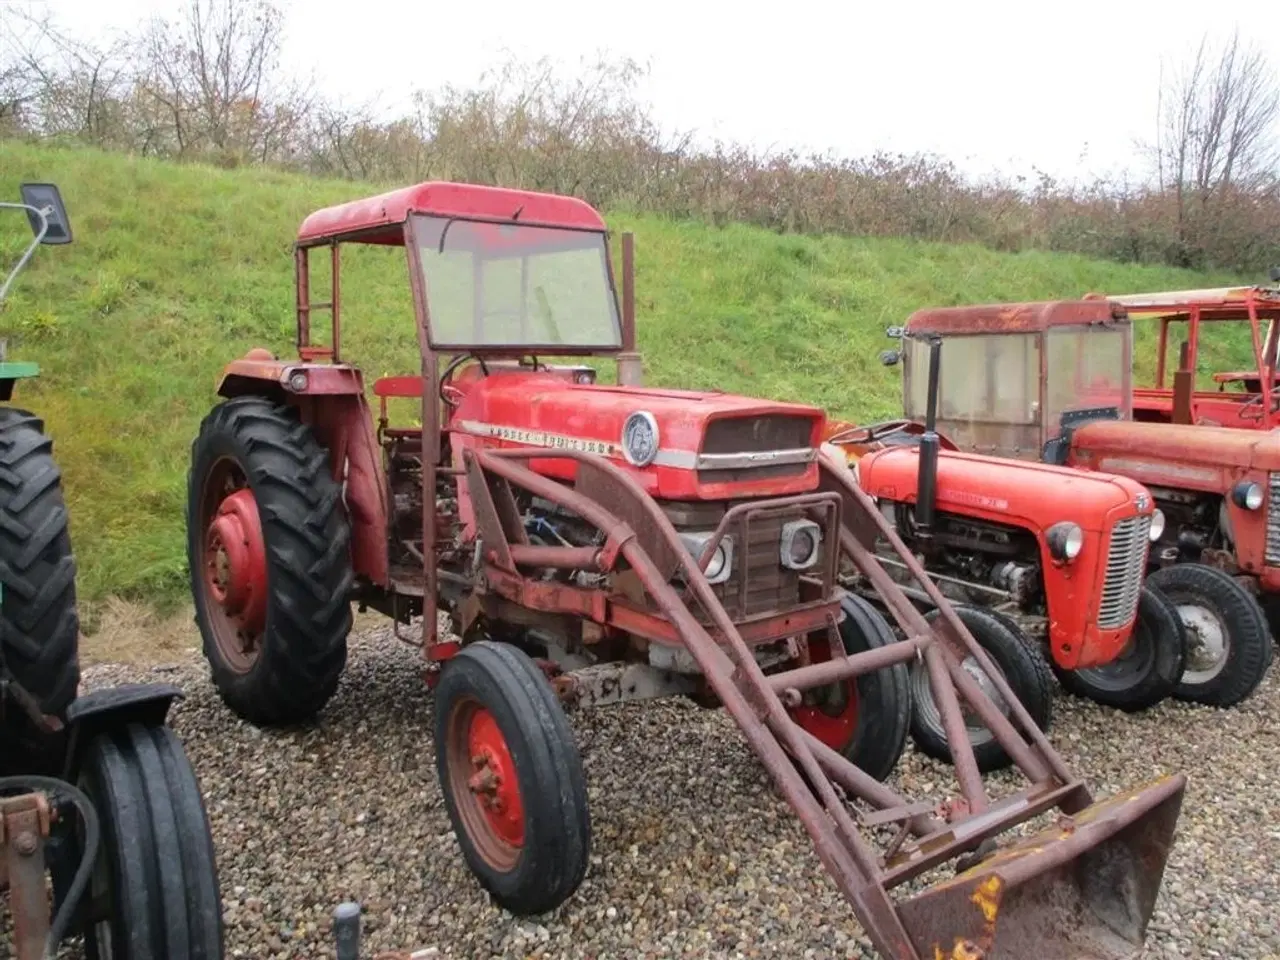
39	629
512	778
1147	670
1024	670
268	543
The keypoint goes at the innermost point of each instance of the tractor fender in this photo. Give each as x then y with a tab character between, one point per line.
101	711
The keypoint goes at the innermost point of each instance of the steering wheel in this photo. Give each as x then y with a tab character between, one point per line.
872	431
450	395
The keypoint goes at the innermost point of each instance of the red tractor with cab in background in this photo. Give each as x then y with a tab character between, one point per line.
1052	382
592	543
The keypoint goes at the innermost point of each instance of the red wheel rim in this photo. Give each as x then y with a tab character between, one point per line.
484	786
830	713
233	566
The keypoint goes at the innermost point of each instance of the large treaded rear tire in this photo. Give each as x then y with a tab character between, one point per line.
306	534
1213	599
39	626
1148	671
157	874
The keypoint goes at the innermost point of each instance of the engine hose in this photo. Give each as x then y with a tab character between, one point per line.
92	831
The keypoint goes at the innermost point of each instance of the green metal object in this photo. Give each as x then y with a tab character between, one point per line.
18	369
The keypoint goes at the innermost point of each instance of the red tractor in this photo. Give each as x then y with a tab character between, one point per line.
1053	382
590	544
1058	547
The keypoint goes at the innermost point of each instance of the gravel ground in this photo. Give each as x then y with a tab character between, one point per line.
694	853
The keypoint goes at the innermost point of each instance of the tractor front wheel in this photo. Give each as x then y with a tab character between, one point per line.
268	543
864	718
1024	670
154	893
39	628
1228	642
512	778
1148	668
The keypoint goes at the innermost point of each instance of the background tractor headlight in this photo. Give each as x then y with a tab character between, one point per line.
1157	524
1065	540
640	438
800	545
1247	494
720	566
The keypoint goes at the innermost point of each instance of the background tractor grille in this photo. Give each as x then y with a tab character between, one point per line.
1126	563
1273	521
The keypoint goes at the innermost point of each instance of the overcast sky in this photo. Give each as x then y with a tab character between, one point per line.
1068	87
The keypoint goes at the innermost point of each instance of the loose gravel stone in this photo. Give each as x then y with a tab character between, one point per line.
694	853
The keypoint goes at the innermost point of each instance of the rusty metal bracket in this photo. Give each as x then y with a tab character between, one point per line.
24	827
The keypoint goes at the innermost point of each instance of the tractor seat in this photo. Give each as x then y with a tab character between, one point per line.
405	387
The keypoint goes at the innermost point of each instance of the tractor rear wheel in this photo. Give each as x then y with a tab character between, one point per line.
512	778
1228	642
864	718
1147	670
154	893
1024	670
268	546
39	627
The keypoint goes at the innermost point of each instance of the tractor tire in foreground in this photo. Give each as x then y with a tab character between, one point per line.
864	718
155	886
39	627
1228	641
1147	670
512	778
268	544
1024	670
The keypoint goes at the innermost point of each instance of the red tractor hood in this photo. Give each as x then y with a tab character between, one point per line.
710	445
1175	455
1032	495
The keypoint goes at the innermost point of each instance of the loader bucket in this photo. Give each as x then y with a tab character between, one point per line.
1083	889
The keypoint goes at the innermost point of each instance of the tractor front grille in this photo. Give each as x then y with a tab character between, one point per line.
1126	563
1273	521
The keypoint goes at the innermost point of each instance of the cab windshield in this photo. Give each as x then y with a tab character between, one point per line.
1085	368
511	284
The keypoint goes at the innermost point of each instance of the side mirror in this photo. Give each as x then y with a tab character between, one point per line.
45	196
890	358
895	333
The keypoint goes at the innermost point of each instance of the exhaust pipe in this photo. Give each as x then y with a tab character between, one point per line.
927	481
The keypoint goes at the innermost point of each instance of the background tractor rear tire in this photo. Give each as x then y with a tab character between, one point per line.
1148	670
525	831
1228	641
865	719
156	877
302	643
39	627
1024	670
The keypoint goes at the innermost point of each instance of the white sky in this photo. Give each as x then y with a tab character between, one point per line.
1067	86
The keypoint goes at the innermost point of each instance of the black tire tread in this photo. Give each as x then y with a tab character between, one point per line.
159	850
309	574
39	624
1250	655
557	849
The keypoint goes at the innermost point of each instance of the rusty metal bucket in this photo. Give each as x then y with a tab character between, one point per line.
1083	889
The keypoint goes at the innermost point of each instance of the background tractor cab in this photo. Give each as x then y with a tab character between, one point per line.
1053	381
1197	323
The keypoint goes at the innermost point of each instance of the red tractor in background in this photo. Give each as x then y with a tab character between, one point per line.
1041	542
1053	382
591	544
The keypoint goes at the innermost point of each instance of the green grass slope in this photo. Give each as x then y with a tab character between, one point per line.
177	269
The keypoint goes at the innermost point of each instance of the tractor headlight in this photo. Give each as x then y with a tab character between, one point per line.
640	438
1247	494
801	543
721	563
1157	524
1065	540
296	380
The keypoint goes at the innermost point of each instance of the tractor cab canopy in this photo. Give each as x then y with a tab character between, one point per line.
493	270
1010	372
1244	396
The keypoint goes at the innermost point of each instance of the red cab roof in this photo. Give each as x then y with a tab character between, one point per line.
1012	317
378	219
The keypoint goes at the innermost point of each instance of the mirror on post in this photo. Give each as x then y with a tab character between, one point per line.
46	198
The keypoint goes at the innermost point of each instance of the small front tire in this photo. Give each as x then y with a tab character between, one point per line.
512	778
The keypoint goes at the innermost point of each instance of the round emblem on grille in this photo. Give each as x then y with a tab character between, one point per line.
640	438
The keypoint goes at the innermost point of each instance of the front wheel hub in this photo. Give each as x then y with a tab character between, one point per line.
235	563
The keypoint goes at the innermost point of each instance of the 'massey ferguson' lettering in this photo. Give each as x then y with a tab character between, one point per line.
540	438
